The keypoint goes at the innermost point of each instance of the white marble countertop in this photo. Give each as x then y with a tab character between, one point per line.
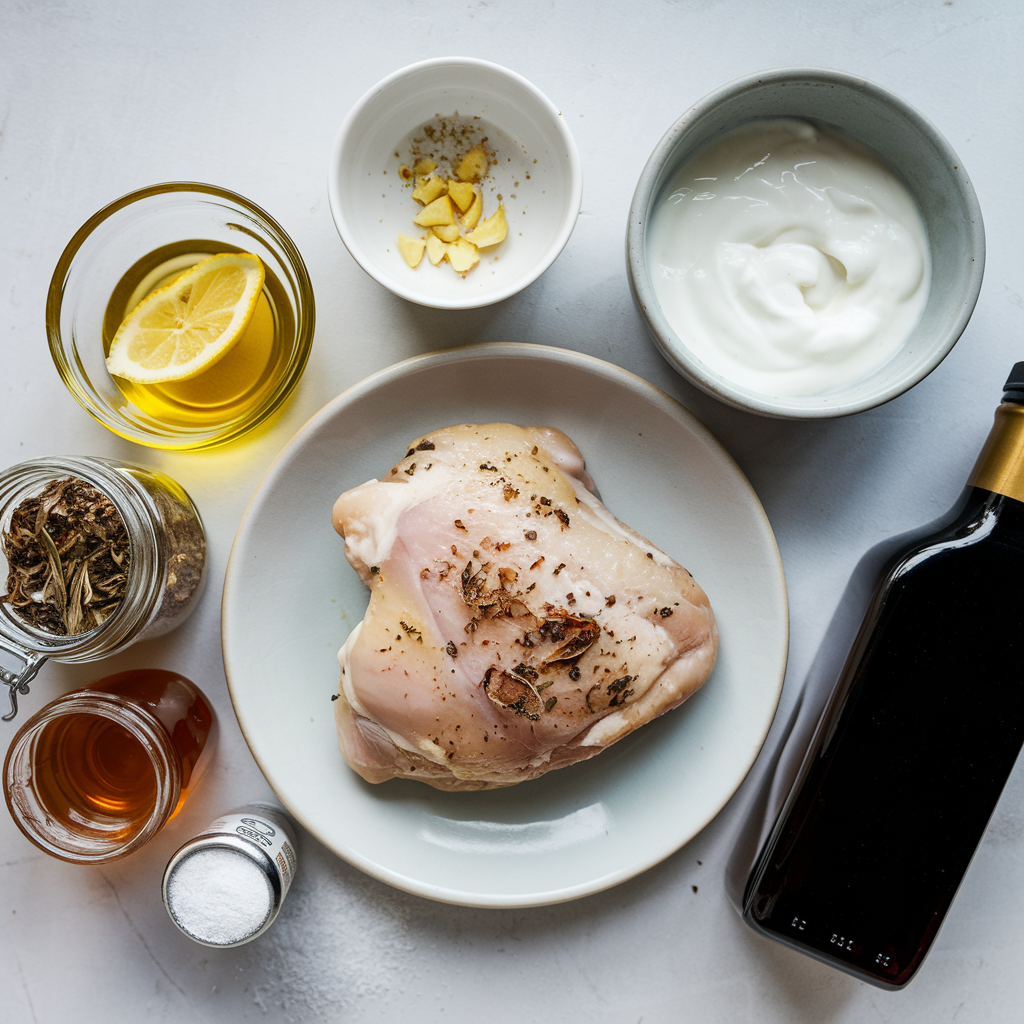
100	99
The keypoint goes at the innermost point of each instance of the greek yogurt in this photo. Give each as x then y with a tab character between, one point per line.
789	259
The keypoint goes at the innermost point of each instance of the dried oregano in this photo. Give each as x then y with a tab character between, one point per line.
67	556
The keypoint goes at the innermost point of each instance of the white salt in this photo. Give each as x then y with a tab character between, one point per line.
219	896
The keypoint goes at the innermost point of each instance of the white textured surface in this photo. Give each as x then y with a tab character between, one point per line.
91	108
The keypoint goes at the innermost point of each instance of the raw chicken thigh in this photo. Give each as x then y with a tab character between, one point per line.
514	625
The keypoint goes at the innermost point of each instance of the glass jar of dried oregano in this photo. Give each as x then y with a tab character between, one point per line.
96	554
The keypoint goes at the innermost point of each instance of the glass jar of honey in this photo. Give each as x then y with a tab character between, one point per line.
98	772
96	555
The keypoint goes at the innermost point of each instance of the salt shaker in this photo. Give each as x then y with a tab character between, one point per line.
225	886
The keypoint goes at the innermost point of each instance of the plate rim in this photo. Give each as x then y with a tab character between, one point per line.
508	350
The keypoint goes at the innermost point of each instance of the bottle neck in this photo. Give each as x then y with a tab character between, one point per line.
1000	466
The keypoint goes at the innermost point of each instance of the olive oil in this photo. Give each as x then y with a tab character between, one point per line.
236	384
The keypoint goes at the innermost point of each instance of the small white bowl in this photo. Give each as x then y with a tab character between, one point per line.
538	175
904	140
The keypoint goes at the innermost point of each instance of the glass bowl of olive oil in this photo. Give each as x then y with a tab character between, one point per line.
142	242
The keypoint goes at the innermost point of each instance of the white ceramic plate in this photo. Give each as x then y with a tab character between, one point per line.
290	599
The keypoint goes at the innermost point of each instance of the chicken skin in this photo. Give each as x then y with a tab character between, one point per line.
514	625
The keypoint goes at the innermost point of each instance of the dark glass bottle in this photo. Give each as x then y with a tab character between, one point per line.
920	734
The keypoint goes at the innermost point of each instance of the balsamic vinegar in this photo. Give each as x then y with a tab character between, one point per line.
921	733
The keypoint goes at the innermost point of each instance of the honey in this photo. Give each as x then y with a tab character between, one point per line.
92	769
99	771
236	384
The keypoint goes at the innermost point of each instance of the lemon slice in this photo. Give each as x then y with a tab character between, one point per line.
182	329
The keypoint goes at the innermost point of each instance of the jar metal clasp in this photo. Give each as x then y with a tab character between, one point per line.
18	667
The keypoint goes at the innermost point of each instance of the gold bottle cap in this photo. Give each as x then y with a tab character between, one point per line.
1000	466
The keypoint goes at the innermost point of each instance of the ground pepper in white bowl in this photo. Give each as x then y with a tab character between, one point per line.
533	173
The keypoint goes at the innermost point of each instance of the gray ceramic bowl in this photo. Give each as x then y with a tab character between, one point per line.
904	140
